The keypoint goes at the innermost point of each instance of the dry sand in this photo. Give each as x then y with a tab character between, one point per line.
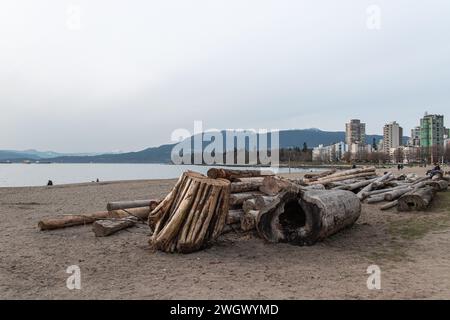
412	250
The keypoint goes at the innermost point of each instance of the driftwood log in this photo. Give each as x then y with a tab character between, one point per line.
306	218
238	199
104	228
248	221
416	200
116	205
232	175
82	219
234	216
439	185
245	186
192	215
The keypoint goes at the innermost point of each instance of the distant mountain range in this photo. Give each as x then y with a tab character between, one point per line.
162	154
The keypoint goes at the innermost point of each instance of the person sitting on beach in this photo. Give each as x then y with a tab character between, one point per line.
436	170
50	183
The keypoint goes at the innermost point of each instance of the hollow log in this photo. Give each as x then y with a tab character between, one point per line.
305	218
248	221
234	216
82	219
104	228
117	205
192	215
439	185
237	187
416	200
232	174
237	199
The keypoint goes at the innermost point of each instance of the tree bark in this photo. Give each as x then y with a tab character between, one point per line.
237	187
82	219
192	215
248	221
237	199
305	218
117	205
104	228
231	174
417	200
273	185
234	216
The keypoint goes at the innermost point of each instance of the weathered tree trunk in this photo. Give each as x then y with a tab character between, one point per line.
355	185
347	174
232	175
82	219
440	185
394	194
104	228
193	214
417	200
234	216
249	204
307	218
262	201
274	185
389	205
237	199
252	179
117	205
237	187
362	194
248	221
317	175
331	179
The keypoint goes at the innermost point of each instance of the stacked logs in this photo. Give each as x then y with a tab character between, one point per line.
192	215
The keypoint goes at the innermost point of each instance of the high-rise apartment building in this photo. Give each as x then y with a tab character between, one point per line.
432	131
355	132
392	136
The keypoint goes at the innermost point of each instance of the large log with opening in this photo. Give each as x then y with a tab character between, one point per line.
307	217
192	215
416	200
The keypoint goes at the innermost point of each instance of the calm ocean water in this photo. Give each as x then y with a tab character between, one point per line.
20	175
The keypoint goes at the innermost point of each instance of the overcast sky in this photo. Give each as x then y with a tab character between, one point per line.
133	71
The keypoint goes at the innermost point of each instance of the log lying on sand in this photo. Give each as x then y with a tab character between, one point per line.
82	219
439	185
347	174
417	200
395	194
192	215
252	179
355	185
305	218
232	175
237	187
104	228
116	205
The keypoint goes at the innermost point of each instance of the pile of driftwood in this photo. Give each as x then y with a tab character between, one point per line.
406	192
301	211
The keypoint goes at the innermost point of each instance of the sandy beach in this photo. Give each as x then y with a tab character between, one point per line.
411	249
